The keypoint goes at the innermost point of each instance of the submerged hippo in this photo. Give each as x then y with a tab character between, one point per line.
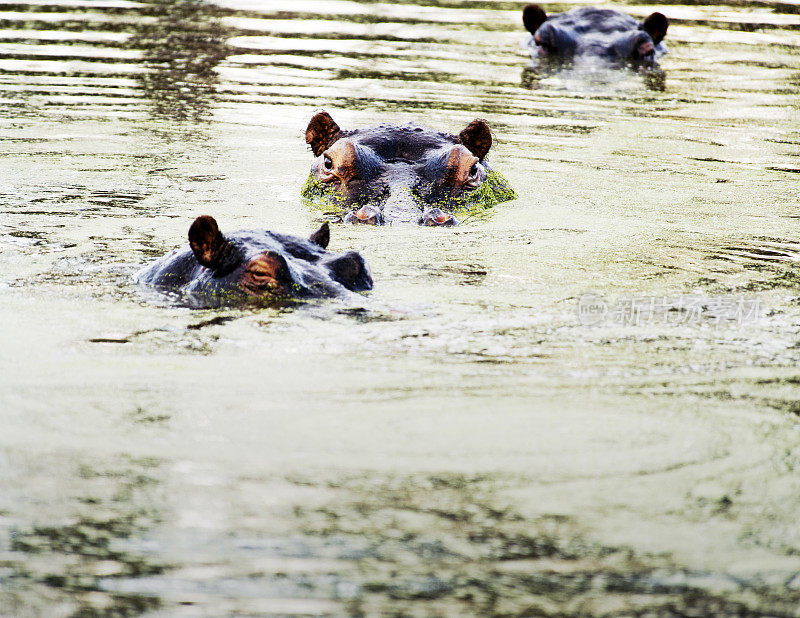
402	173
595	33
218	269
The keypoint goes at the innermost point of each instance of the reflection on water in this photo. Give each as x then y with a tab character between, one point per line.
588	76
162	51
74	547
460	443
463	551
181	49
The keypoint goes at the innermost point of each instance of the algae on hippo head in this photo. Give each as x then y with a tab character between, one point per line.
219	269
402	173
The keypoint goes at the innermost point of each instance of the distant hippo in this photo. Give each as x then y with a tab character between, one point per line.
402	173
595	33
219	269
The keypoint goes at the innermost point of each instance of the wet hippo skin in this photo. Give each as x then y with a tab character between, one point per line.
595	33
402	173
219	269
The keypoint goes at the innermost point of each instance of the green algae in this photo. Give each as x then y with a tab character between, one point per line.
494	190
210	294
321	194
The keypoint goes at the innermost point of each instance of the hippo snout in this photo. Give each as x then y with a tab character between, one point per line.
401	205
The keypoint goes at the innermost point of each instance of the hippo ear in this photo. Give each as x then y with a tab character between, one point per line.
656	26
532	17
206	241
321	132
322	236
477	137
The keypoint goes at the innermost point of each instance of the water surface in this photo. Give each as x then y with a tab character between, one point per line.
584	402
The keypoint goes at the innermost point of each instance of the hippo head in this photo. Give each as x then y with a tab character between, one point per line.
600	33
219	269
402	173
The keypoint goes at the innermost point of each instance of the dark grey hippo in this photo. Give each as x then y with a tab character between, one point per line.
589	32
402	173
217	269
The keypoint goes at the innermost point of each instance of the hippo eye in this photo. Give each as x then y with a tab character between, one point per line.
473	172
327	163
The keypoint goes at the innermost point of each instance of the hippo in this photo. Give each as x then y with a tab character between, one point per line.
589	32
402	173
219	269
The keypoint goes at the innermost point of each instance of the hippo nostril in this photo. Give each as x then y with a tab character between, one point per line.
365	214
436	216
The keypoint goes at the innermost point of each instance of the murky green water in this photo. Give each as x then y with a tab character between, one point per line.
465	441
